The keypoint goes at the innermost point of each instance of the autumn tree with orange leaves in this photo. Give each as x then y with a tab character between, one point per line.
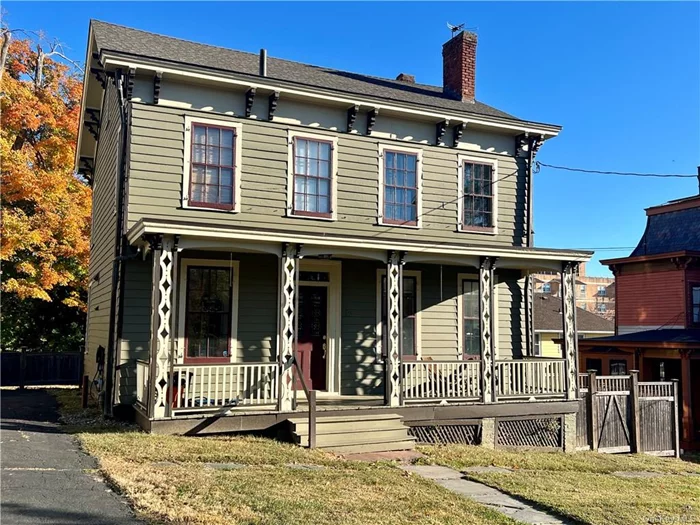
46	207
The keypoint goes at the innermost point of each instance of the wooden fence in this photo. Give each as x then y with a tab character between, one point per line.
24	368
621	414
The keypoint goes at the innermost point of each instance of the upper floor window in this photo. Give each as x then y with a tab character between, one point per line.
546	288
583	290
312	178
400	187
695	303
212	164
478	208
601	308
602	291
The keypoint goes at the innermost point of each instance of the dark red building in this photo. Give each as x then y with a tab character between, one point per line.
657	318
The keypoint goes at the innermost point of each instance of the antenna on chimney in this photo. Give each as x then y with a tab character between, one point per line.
455	29
698	180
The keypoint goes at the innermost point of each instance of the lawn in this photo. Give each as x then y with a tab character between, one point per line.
582	486
168	479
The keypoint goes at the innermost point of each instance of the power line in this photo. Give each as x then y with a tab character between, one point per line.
539	164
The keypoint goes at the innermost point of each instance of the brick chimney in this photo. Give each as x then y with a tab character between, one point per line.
459	67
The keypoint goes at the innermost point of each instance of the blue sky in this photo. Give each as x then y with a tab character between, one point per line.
623	79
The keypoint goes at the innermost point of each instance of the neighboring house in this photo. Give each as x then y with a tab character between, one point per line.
249	209
549	324
658	308
593	294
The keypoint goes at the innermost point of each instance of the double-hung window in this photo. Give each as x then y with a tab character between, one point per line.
477	203
400	187
411	307
312	179
212	165
694	303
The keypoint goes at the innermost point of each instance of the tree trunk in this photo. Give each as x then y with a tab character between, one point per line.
6	37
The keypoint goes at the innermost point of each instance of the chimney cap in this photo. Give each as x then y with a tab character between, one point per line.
405	77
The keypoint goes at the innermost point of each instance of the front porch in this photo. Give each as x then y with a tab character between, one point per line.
430	334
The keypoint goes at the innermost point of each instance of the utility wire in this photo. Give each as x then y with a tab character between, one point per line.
539	164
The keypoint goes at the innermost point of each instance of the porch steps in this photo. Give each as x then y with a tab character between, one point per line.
355	434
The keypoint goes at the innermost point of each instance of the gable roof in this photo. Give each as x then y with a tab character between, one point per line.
673	227
548	317
135	42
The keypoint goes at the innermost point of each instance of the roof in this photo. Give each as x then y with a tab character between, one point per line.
674	230
135	42
667	336
548	317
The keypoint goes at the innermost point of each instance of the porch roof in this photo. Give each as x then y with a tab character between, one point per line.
346	245
661	338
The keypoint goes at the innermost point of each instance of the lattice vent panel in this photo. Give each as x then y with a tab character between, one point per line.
540	432
447	434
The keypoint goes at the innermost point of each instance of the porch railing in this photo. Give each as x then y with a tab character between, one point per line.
438	380
211	387
530	378
612	383
142	382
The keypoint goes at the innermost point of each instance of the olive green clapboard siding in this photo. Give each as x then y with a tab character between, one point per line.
103	234
135	341
510	333
156	166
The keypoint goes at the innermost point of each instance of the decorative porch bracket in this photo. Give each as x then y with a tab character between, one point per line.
164	256
486	328
568	298
289	269
394	328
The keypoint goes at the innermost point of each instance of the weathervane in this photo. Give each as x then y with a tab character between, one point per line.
455	29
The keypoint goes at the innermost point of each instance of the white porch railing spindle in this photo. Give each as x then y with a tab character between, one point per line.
525	378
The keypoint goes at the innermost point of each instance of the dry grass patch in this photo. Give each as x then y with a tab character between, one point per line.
167	480
582	486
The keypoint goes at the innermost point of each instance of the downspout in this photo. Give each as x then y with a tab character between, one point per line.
116	298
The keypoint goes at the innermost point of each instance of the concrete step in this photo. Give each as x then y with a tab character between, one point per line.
355	438
408	444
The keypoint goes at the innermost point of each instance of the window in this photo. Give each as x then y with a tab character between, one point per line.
546	288
594	364
601	308
313	173
411	306
602	292
583	290
477	204
212	165
695	303
470	319
208	314
537	351
618	367
400	187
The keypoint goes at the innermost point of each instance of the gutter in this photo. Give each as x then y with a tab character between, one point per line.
116	317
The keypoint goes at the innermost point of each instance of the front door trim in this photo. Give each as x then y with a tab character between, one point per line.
334	269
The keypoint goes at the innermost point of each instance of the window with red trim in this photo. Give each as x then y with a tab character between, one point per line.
312	177
478	195
400	188
208	314
694	294
212	166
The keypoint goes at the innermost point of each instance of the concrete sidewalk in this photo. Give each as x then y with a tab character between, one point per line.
45	477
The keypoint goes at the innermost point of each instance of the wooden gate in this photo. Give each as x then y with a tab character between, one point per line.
620	414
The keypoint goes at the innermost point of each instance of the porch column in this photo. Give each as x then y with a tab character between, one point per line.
289	268
486	329
568	299
394	329
164	257
687	424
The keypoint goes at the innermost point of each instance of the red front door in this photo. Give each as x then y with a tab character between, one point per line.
312	341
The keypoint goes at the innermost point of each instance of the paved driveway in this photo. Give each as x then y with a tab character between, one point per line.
45	477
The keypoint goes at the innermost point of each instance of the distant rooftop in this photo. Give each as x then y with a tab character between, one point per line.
671	227
548	317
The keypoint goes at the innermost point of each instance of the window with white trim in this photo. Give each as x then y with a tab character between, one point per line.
400	187
212	159
537	351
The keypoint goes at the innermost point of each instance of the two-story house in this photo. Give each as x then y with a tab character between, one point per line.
658	309
263	227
